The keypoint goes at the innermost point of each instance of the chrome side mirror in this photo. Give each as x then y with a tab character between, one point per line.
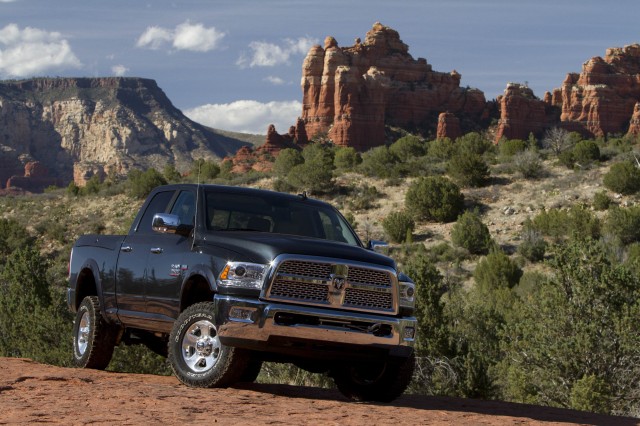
377	246
165	223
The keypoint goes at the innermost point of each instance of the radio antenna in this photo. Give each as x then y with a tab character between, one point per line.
195	220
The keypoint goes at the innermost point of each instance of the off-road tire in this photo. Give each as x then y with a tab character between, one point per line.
197	356
380	381
93	338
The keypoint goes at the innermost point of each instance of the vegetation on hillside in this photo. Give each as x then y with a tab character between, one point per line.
544	311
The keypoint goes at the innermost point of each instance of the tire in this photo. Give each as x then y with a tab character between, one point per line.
380	381
93	338
197	356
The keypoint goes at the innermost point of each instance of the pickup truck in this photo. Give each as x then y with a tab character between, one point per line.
220	279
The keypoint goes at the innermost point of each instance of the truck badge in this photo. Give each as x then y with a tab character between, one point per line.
337	281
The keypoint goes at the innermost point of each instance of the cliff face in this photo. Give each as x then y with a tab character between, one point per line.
351	93
101	125
601	99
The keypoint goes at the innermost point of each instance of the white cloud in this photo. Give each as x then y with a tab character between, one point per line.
119	70
270	54
247	116
186	36
31	51
276	81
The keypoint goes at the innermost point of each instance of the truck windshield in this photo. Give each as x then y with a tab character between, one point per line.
269	213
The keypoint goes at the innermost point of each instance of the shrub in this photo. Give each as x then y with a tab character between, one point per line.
532	245
441	149
407	147
510	147
287	159
364	197
92	186
496	271
624	224
623	178
316	173
567	159
203	170
12	237
398	225
473	142
528	164
434	198
142	183
576	222
601	201
468	168
379	162
171	174
585	153
346	158
470	233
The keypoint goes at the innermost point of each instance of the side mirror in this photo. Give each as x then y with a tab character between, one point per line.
165	223
377	246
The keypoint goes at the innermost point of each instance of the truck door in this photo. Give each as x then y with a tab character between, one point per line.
167	262
132	261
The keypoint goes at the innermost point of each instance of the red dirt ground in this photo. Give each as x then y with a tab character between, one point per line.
36	393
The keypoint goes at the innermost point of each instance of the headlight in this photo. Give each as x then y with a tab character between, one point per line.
407	294
243	275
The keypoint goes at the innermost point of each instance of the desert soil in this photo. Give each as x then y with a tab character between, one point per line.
36	393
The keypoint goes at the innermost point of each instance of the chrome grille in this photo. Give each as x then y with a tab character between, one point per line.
312	283
369	276
368	299
305	269
300	290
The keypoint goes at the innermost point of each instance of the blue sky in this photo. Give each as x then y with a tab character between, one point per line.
236	64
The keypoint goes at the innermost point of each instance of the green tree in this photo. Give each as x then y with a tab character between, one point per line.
434	198
12	237
468	168
33	320
470	233
171	174
142	183
407	147
586	152
379	162
573	342
316	173
398	225
205	170
346	158
287	159
623	178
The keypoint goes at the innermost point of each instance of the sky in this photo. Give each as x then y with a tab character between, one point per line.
236	64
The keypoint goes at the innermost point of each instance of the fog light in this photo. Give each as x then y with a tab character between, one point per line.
241	314
409	333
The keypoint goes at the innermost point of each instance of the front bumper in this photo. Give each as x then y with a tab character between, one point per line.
279	327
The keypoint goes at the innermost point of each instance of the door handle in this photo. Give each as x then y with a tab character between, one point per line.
126	249
156	250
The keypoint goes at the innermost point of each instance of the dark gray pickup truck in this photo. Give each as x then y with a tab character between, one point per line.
220	279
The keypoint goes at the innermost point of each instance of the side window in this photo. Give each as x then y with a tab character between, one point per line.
158	204
185	207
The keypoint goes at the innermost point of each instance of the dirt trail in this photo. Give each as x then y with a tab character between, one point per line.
35	393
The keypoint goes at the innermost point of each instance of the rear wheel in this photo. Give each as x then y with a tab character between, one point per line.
196	354
381	381
93	338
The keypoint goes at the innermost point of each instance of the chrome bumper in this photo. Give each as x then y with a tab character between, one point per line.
254	322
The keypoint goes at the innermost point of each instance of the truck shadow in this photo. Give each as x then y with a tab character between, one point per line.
437	403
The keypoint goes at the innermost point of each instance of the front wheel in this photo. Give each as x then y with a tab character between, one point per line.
197	356
93	339
381	381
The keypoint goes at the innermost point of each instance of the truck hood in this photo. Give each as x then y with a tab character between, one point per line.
263	247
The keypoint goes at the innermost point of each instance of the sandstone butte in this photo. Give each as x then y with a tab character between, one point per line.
351	94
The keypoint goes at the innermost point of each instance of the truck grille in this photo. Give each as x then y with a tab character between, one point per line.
338	285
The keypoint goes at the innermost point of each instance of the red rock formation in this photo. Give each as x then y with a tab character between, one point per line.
448	126
601	99
634	123
261	158
351	93
521	113
35	179
83	172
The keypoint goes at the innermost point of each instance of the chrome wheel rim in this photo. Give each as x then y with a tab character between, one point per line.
201	346
82	338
